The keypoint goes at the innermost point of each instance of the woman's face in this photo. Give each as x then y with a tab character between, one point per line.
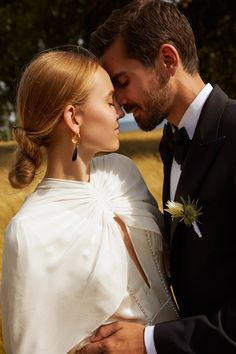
99	127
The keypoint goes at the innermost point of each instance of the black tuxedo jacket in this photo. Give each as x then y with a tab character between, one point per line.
203	270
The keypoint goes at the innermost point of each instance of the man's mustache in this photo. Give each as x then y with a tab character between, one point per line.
130	107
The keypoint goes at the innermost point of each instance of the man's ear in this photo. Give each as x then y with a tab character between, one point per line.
71	118
168	59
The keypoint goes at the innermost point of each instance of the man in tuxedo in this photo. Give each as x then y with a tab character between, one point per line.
148	49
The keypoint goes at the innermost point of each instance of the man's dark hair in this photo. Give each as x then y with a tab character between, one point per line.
144	25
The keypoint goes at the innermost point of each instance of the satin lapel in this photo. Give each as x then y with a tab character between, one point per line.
166	196
203	149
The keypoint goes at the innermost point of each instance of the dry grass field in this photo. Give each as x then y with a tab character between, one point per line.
140	146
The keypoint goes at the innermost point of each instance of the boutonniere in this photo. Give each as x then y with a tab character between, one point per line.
187	211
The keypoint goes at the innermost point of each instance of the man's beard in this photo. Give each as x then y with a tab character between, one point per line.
156	100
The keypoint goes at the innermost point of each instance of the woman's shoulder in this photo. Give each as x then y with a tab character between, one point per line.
20	225
13	231
116	172
115	162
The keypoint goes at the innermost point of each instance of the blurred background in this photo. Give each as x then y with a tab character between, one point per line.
27	27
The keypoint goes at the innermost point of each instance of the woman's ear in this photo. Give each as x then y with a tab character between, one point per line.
168	59
71	118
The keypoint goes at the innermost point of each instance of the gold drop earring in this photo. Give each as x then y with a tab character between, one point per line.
75	140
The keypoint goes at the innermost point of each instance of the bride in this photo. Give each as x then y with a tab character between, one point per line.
85	248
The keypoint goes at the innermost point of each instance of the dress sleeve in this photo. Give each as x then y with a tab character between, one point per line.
22	295
127	193
12	292
55	277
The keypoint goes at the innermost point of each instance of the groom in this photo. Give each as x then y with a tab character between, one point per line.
149	50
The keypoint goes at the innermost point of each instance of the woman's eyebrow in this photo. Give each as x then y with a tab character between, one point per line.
110	94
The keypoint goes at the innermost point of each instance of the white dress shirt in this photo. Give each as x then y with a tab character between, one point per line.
189	121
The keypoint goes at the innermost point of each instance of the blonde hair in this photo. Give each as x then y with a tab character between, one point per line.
51	81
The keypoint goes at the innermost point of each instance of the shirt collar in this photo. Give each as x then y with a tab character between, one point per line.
192	114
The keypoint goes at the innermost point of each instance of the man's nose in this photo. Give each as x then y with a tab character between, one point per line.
121	99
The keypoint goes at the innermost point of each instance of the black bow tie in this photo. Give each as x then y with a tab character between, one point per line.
174	144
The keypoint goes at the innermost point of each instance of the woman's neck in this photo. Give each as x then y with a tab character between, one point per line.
61	166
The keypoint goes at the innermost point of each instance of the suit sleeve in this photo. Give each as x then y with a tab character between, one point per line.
199	334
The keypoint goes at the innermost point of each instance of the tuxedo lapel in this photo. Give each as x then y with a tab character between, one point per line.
165	197
203	149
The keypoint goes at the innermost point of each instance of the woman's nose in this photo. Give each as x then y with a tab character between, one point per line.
119	110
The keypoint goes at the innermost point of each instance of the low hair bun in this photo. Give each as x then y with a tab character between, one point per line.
27	160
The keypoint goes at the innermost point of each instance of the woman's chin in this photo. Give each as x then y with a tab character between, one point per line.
112	148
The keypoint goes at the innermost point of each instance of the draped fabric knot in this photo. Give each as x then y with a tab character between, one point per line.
174	144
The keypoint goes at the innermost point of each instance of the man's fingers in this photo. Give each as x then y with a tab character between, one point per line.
105	331
96	348
99	344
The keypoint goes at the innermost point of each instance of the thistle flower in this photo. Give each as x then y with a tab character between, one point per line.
187	211
175	209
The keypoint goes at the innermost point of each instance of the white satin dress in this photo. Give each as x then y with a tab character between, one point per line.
66	269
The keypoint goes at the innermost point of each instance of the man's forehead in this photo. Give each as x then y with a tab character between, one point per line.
117	63
113	59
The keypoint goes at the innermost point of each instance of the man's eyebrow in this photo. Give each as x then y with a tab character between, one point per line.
116	76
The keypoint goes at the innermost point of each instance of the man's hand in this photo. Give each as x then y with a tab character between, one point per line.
117	338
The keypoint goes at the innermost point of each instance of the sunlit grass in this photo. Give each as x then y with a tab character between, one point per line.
141	147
